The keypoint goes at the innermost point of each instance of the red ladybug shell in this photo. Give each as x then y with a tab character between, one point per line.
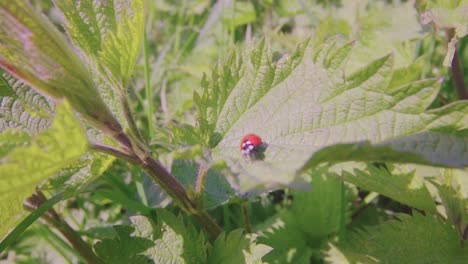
249	143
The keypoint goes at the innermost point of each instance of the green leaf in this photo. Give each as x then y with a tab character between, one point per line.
110	32
411	239
405	188
76	177
304	228
23	108
27	166
318	213
124	247
10	139
34	51
237	248
454	201
288	243
302	104
5	87
173	241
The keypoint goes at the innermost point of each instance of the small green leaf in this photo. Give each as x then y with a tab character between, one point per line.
411	239
406	188
5	87
27	166
454	203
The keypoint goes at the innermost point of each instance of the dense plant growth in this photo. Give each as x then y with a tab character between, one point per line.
121	123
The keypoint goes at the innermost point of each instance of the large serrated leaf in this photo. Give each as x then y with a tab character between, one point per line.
405	188
302	104
405	241
26	166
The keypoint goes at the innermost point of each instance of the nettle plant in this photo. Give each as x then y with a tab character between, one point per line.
67	120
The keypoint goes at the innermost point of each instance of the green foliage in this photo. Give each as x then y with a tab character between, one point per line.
173	241
454	200
109	32
167	239
447	15
409	239
33	50
363	132
22	108
216	189
237	248
301	230
406	188
26	166
302	104
124	247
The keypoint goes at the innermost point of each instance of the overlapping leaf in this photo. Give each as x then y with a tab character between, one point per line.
25	167
23	114
304	103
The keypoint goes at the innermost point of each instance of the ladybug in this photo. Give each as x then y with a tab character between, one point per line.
251	144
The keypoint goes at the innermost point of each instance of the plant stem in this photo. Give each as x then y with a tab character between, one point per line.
457	70
148	90
458	80
53	219
245	216
76	241
129	117
170	185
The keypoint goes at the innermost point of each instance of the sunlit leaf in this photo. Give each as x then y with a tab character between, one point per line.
302	104
26	166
